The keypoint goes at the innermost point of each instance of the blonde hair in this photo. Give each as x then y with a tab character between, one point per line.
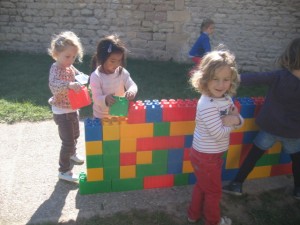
65	39
205	71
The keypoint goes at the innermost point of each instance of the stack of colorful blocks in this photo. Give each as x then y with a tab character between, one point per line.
150	147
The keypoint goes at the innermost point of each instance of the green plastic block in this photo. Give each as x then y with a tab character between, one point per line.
120	107
92	187
111	173
127	184
94	161
181	179
161	129
268	160
111	161
151	170
160	156
111	147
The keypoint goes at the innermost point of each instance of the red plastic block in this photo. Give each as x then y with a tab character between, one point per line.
136	112
236	138
127	159
159	143
281	169
159	181
245	150
186	154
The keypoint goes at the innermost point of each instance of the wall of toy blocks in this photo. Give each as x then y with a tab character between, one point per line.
150	147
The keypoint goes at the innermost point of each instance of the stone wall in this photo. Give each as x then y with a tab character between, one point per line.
255	30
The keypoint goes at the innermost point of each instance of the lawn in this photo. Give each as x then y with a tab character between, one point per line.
24	91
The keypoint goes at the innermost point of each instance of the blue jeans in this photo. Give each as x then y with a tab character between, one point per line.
266	140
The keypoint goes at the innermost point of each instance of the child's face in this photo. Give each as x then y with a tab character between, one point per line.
112	63
67	57
220	83
210	29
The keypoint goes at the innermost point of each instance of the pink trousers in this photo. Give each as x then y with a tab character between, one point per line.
207	191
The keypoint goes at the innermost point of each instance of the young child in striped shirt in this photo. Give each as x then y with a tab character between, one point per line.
217	79
110	78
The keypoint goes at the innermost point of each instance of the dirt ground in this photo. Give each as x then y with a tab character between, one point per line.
30	191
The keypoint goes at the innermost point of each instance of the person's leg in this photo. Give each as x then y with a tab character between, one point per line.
66	133
196	206
262	142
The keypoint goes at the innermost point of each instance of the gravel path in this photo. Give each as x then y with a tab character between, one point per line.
30	191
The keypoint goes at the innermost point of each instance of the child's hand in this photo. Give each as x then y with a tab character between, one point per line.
233	110
75	86
109	100
231	120
129	95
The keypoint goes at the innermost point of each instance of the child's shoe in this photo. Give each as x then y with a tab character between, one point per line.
297	193
68	176
78	159
191	220
225	221
234	188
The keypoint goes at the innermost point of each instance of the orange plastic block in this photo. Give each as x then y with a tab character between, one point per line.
233	156
187	167
128	145
159	181
182	128
276	148
127	159
260	172
144	157
111	129
136	130
93	147
127	171
94	174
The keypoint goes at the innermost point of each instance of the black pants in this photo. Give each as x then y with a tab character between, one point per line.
255	154
68	129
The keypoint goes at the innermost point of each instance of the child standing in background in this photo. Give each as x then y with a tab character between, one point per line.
202	45
279	117
65	48
110	78
216	78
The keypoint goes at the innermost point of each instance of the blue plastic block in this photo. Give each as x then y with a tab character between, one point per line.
247	107
93	129
284	158
192	178
249	137
175	168
175	156
188	141
153	111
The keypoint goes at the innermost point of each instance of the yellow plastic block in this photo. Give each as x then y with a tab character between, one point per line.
233	156
136	130
275	148
182	128
128	145
260	172
93	147
127	171
187	167
144	157
95	174
111	129
249	125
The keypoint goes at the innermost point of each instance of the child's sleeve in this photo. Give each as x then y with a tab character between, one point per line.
129	84
97	93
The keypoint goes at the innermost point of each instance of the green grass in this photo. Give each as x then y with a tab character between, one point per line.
24	91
